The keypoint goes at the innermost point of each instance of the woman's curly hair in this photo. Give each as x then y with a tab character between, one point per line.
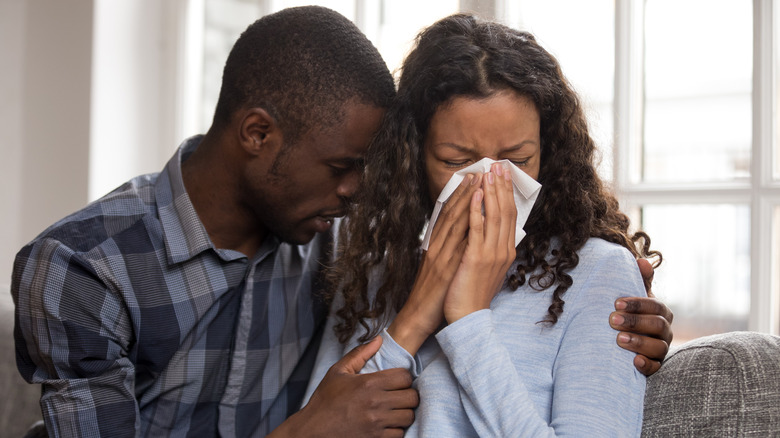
462	56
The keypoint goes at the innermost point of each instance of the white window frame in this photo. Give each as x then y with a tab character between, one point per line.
760	193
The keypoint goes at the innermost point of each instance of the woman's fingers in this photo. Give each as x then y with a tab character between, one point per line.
492	211
476	220
500	209
508	210
451	226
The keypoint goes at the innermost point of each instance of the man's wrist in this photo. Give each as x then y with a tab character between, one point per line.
288	429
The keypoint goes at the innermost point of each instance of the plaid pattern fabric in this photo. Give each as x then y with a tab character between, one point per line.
136	325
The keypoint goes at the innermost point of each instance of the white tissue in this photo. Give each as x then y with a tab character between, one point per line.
526	190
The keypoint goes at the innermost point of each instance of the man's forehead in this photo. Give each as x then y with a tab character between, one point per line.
349	138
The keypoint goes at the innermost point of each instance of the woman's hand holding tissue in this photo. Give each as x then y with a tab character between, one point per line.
490	247
422	313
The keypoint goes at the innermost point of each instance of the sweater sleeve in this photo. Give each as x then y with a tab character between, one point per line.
390	355
596	389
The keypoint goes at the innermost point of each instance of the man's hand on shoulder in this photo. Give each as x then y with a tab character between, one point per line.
645	325
346	403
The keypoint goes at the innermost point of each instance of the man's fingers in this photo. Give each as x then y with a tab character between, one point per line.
654	326
655	349
400	399
394	379
646	366
645	306
354	361
401	418
647	271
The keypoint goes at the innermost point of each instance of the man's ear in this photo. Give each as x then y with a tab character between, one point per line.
258	130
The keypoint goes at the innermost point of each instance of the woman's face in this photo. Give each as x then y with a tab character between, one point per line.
502	126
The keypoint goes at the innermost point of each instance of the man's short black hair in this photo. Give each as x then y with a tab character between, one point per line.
301	65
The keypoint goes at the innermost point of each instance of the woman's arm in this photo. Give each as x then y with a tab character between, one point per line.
596	390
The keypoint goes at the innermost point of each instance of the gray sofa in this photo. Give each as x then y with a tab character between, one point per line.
19	406
718	386
725	385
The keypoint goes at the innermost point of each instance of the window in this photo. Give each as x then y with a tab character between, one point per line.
693	165
682	99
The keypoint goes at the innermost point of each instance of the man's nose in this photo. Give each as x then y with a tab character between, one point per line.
349	184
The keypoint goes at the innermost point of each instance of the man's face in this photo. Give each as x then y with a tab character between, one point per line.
312	180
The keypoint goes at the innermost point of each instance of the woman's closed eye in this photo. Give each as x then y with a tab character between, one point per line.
520	163
456	163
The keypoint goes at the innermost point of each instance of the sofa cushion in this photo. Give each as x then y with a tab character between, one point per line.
720	385
19	408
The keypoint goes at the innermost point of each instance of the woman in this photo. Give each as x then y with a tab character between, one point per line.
502	341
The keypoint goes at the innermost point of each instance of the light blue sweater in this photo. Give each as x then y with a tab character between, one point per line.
500	373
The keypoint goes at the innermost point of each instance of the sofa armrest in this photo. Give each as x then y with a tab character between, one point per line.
720	385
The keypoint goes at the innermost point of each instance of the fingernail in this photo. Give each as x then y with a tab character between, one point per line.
624	338
490	177
499	169
620	305
640	361
507	174
618	319
474	179
470	178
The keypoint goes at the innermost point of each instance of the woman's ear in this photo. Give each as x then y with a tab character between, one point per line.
258	130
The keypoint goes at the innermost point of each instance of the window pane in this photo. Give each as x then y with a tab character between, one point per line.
705	275
401	20
224	20
582	38
698	82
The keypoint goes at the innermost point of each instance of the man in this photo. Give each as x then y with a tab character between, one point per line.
186	302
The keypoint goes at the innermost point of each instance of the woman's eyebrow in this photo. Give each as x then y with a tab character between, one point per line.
521	145
457	147
465	149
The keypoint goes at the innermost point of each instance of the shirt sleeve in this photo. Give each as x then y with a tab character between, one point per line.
330	352
596	389
72	336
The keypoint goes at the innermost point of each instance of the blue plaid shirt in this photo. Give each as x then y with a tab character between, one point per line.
136	325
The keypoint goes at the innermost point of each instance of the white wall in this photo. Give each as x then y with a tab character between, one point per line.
137	88
12	24
71	129
45	47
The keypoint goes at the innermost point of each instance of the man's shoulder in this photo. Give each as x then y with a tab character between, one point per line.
133	204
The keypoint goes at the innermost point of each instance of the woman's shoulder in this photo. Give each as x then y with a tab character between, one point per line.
599	250
608	263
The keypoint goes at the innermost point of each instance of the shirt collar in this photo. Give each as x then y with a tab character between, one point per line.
183	232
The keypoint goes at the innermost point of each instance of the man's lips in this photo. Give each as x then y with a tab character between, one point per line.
331	214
